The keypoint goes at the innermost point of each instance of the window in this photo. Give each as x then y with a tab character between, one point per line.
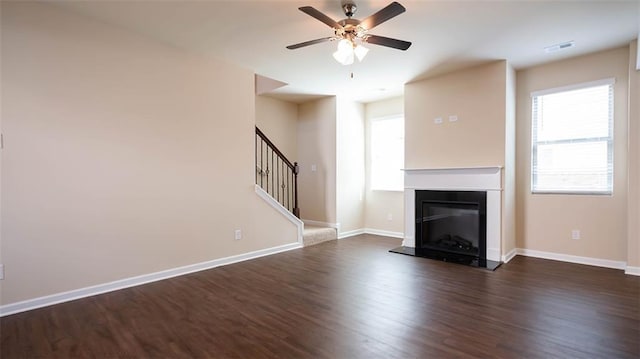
387	153
572	139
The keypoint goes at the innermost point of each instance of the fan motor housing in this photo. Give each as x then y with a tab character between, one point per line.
349	9
349	23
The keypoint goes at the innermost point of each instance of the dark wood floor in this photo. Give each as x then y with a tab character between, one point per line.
347	299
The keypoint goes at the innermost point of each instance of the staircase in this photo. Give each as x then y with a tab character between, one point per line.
276	174
278	177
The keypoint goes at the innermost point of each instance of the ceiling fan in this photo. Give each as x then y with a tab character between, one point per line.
352	33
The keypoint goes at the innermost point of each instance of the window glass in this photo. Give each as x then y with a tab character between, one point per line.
387	154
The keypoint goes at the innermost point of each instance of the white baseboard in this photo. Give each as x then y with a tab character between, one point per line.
632	270
280	208
310	222
572	259
48	300
348	234
377	232
380	232
509	256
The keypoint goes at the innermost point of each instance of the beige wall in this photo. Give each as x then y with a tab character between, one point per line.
477	96
544	222
381	204
350	165
317	146
633	203
122	156
278	120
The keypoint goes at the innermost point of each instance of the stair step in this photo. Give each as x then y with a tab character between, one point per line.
315	235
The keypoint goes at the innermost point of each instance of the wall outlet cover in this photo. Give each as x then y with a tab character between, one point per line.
575	234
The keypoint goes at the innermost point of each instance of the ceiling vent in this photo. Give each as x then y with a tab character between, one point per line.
560	46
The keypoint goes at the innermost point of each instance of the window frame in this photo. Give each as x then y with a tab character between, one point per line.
610	82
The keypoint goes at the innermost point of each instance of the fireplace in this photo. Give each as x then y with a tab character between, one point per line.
454	214
451	225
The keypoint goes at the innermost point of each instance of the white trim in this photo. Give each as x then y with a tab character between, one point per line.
509	256
460	170
493	254
347	234
632	270
493	231
387	117
408	241
380	232
48	300
603	82
373	231
454	179
445	188
572	259
280	208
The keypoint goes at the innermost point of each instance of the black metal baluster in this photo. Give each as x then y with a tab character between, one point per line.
288	196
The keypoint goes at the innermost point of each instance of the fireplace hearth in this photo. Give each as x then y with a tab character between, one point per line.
451	226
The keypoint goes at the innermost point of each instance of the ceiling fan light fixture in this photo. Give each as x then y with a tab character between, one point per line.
360	52
345	53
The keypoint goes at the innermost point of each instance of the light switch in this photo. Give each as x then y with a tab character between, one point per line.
437	120
453	118
314	168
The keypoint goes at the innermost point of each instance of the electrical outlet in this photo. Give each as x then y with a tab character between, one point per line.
238	234
389	217
575	234
1	271
437	120
453	118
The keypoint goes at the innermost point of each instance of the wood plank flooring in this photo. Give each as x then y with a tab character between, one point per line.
349	298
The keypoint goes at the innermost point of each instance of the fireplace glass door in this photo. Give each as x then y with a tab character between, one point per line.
451	227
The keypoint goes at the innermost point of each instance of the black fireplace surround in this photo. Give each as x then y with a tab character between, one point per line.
451	226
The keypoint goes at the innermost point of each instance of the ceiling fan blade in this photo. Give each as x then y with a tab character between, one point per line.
388	42
309	10
392	10
307	43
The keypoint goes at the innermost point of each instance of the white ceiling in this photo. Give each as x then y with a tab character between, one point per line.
446	35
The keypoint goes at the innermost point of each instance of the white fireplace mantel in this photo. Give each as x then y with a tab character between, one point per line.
487	179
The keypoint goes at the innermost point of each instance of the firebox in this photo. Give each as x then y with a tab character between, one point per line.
451	225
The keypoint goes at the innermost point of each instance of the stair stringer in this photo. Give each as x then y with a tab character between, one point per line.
285	212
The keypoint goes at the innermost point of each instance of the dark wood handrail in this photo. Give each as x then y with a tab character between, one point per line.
274	148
